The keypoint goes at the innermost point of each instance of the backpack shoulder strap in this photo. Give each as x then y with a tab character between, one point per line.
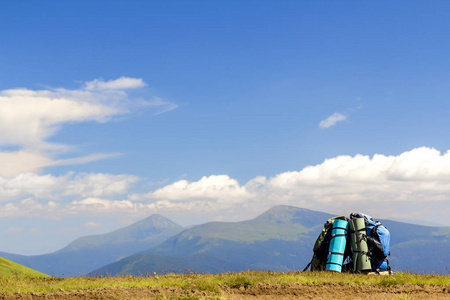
306	268
373	232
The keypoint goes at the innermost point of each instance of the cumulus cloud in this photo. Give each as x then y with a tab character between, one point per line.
398	186
411	185
332	120
28	118
214	187
58	187
100	205
98	184
28	208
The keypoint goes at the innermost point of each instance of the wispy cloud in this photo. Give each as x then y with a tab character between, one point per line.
337	117
120	83
332	120
28	118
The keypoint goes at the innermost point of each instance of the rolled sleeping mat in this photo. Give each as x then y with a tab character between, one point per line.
337	246
361	259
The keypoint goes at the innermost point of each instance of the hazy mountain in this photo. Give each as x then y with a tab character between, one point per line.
145	264
90	252
419	248
280	239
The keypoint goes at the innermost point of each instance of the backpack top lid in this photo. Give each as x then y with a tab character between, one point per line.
370	222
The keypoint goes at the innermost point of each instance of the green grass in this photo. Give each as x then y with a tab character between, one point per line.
9	269
214	282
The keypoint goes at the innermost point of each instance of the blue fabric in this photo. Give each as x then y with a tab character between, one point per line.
385	238
380	265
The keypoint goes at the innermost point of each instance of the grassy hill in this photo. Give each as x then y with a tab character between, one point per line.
9	268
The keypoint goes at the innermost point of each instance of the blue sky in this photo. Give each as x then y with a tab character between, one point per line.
217	110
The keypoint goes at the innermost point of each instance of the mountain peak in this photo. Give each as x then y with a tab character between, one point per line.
292	214
284	209
156	221
154	227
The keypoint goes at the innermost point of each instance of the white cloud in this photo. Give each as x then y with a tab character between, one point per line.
381	185
100	205
411	185
214	187
17	162
84	159
28	118
332	120
59	187
120	83
98	185
421	166
91	224
161	105
29	184
28	208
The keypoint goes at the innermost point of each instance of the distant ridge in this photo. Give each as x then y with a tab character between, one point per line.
279	239
147	232
90	252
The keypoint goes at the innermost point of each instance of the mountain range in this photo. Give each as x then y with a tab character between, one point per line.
90	252
279	239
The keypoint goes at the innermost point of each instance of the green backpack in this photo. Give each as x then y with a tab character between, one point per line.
319	259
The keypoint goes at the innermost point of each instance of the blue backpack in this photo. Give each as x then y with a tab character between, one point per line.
378	241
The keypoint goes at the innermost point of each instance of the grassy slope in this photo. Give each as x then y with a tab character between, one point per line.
9	269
